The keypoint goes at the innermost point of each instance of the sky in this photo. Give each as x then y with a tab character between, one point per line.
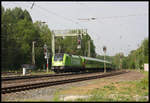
120	26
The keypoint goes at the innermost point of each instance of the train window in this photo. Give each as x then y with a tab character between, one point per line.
58	57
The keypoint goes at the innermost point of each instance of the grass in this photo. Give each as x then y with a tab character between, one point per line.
57	96
122	91
118	91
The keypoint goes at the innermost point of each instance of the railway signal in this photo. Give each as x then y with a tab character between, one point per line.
104	49
79	42
46	55
45	51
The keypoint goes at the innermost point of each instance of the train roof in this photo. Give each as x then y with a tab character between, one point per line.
89	58
95	59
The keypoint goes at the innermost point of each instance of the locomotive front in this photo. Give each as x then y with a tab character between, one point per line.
58	63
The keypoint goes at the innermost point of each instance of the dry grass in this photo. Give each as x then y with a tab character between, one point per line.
118	88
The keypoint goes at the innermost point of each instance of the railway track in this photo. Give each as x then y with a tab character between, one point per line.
38	76
19	80
69	79
28	80
31	76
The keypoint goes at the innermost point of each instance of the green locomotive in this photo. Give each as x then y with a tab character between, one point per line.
62	62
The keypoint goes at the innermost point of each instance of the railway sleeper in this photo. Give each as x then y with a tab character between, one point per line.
38	85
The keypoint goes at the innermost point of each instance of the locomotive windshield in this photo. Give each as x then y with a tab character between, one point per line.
58	57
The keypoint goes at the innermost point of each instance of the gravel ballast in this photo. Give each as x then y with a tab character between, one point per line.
47	93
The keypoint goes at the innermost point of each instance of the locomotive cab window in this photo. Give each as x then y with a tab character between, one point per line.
58	57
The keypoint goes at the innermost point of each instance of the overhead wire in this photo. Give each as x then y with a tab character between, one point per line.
68	19
49	12
100	19
118	16
56	14
32	5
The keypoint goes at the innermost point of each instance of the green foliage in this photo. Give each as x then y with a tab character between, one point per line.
110	87
136	58
18	33
123	91
143	84
69	45
116	60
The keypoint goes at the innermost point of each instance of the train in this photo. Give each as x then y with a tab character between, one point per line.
63	62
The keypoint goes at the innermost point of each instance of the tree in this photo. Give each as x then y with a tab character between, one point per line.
17	35
137	58
43	36
145	45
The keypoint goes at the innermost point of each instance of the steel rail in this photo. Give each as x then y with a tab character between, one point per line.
32	76
39	76
63	81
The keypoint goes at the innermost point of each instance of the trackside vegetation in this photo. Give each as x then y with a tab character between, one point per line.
135	59
137	90
122	91
18	31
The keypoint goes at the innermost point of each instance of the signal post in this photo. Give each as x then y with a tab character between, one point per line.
104	49
46	55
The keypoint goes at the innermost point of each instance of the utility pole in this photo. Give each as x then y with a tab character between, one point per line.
120	63
104	49
89	48
53	43
121	56
138	61
33	54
